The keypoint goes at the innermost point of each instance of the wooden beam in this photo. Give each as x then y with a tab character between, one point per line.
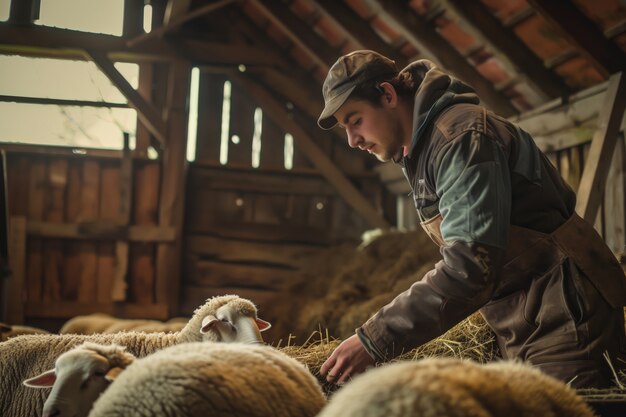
584	34
419	31
70	44
133	18
66	309
176	22
598	161
17	264
61	102
299	32
306	143
506	41
174	9
359	30
146	113
172	193
23	12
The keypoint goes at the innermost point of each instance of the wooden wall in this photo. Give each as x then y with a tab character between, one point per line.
81	241
247	230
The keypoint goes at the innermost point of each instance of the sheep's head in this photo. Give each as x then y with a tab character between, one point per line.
79	377
227	318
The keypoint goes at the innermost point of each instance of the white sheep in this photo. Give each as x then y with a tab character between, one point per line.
455	388
211	379
226	318
7	331
79	376
104	323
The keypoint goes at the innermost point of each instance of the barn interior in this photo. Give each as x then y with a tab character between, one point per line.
204	172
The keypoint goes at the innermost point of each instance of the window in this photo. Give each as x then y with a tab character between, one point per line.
192	125
85	15
256	137
5	7
225	124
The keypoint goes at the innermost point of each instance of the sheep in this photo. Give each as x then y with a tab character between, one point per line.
211	379
455	388
7	331
79	376
226	318
103	323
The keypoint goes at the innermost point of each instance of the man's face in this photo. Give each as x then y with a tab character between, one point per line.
372	129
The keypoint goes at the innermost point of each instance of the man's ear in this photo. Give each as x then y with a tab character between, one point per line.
390	96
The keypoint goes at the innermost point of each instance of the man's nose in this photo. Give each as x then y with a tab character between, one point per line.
354	139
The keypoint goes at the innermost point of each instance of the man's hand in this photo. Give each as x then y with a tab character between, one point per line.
350	358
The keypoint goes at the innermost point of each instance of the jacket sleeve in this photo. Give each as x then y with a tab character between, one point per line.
473	184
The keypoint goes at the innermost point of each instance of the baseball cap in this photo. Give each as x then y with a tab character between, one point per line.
345	75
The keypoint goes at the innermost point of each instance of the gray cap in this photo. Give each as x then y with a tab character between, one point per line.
345	75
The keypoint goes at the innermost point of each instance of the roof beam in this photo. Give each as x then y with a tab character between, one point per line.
359	30
70	44
306	143
177	21
299	32
505	41
146	113
583	34
420	32
593	181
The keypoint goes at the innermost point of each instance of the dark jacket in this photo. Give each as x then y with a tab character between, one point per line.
491	193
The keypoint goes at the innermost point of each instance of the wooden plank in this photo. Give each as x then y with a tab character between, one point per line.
23	12
172	199
205	180
269	209
505	41
420	32
64	309
70	44
584	34
34	263
208	273
119	284
89	204
614	221
109	200
142	260
53	248
210	99
142	135
344	187
241	124
17	258
50	151
359	30
18	184
133	18
146	113
290	232
72	267
174	22
250	252
597	164
101	230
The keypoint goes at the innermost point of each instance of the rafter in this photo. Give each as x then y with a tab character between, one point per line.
582	32
360	32
421	32
505	41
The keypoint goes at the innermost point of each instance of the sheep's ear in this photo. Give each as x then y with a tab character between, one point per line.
45	380
208	323
262	324
5	327
113	373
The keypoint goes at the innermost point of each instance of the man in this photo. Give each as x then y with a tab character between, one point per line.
511	243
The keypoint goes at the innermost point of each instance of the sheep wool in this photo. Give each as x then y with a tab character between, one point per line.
455	388
212	379
7	331
23	357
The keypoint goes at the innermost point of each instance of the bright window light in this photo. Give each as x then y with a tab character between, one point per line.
256	137
89	127
225	124
235	139
288	152
192	123
5	7
63	79
147	18
85	15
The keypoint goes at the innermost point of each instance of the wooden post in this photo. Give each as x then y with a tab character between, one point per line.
172	199
597	164
17	259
